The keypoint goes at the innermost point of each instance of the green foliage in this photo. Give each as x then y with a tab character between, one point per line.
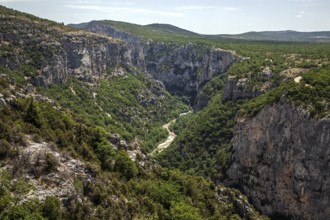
154	136
33	114
311	93
282	36
203	145
11	12
52	208
51	162
4	85
176	195
117	108
17	212
84	114
160	191
11	195
124	165
5	196
16	75
26	116
183	211
105	153
20	188
155	32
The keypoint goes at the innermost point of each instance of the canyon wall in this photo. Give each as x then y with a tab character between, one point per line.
281	159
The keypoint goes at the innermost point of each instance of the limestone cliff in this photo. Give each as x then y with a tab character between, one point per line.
281	161
183	68
250	86
55	53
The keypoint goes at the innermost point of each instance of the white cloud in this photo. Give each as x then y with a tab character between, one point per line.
201	7
10	1
125	10
123	3
303	0
300	14
231	9
97	2
195	7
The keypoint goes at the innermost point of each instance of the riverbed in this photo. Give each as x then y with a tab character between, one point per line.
171	136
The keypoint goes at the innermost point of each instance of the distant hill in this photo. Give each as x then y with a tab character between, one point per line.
170	29
167	31
151	31
288	35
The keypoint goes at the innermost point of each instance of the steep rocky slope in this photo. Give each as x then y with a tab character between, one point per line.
245	88
280	160
183	68
50	53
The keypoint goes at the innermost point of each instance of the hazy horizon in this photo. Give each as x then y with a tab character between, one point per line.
209	17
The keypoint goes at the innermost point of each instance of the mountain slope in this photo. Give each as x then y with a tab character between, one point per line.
183	67
76	112
170	29
293	36
80	110
151	31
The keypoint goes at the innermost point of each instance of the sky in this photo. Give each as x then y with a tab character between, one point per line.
201	16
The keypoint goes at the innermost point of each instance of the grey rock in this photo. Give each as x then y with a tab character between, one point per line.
29	88
114	138
244	88
182	69
241	204
185	69
123	145
2	101
281	162
4	76
238	89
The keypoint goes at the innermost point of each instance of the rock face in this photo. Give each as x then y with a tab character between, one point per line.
56	53
249	87
238	89
134	46
51	172
281	161
182	68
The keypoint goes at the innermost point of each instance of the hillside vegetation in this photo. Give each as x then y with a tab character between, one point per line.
73	148
79	112
289	36
264	74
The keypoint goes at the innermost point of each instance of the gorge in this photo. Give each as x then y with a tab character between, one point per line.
87	103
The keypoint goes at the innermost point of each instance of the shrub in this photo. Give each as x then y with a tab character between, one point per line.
51	162
52	208
125	166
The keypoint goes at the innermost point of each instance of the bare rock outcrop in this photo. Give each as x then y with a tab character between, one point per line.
49	54
52	173
281	162
185	69
248	87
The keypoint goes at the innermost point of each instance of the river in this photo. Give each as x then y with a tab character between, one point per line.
170	138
